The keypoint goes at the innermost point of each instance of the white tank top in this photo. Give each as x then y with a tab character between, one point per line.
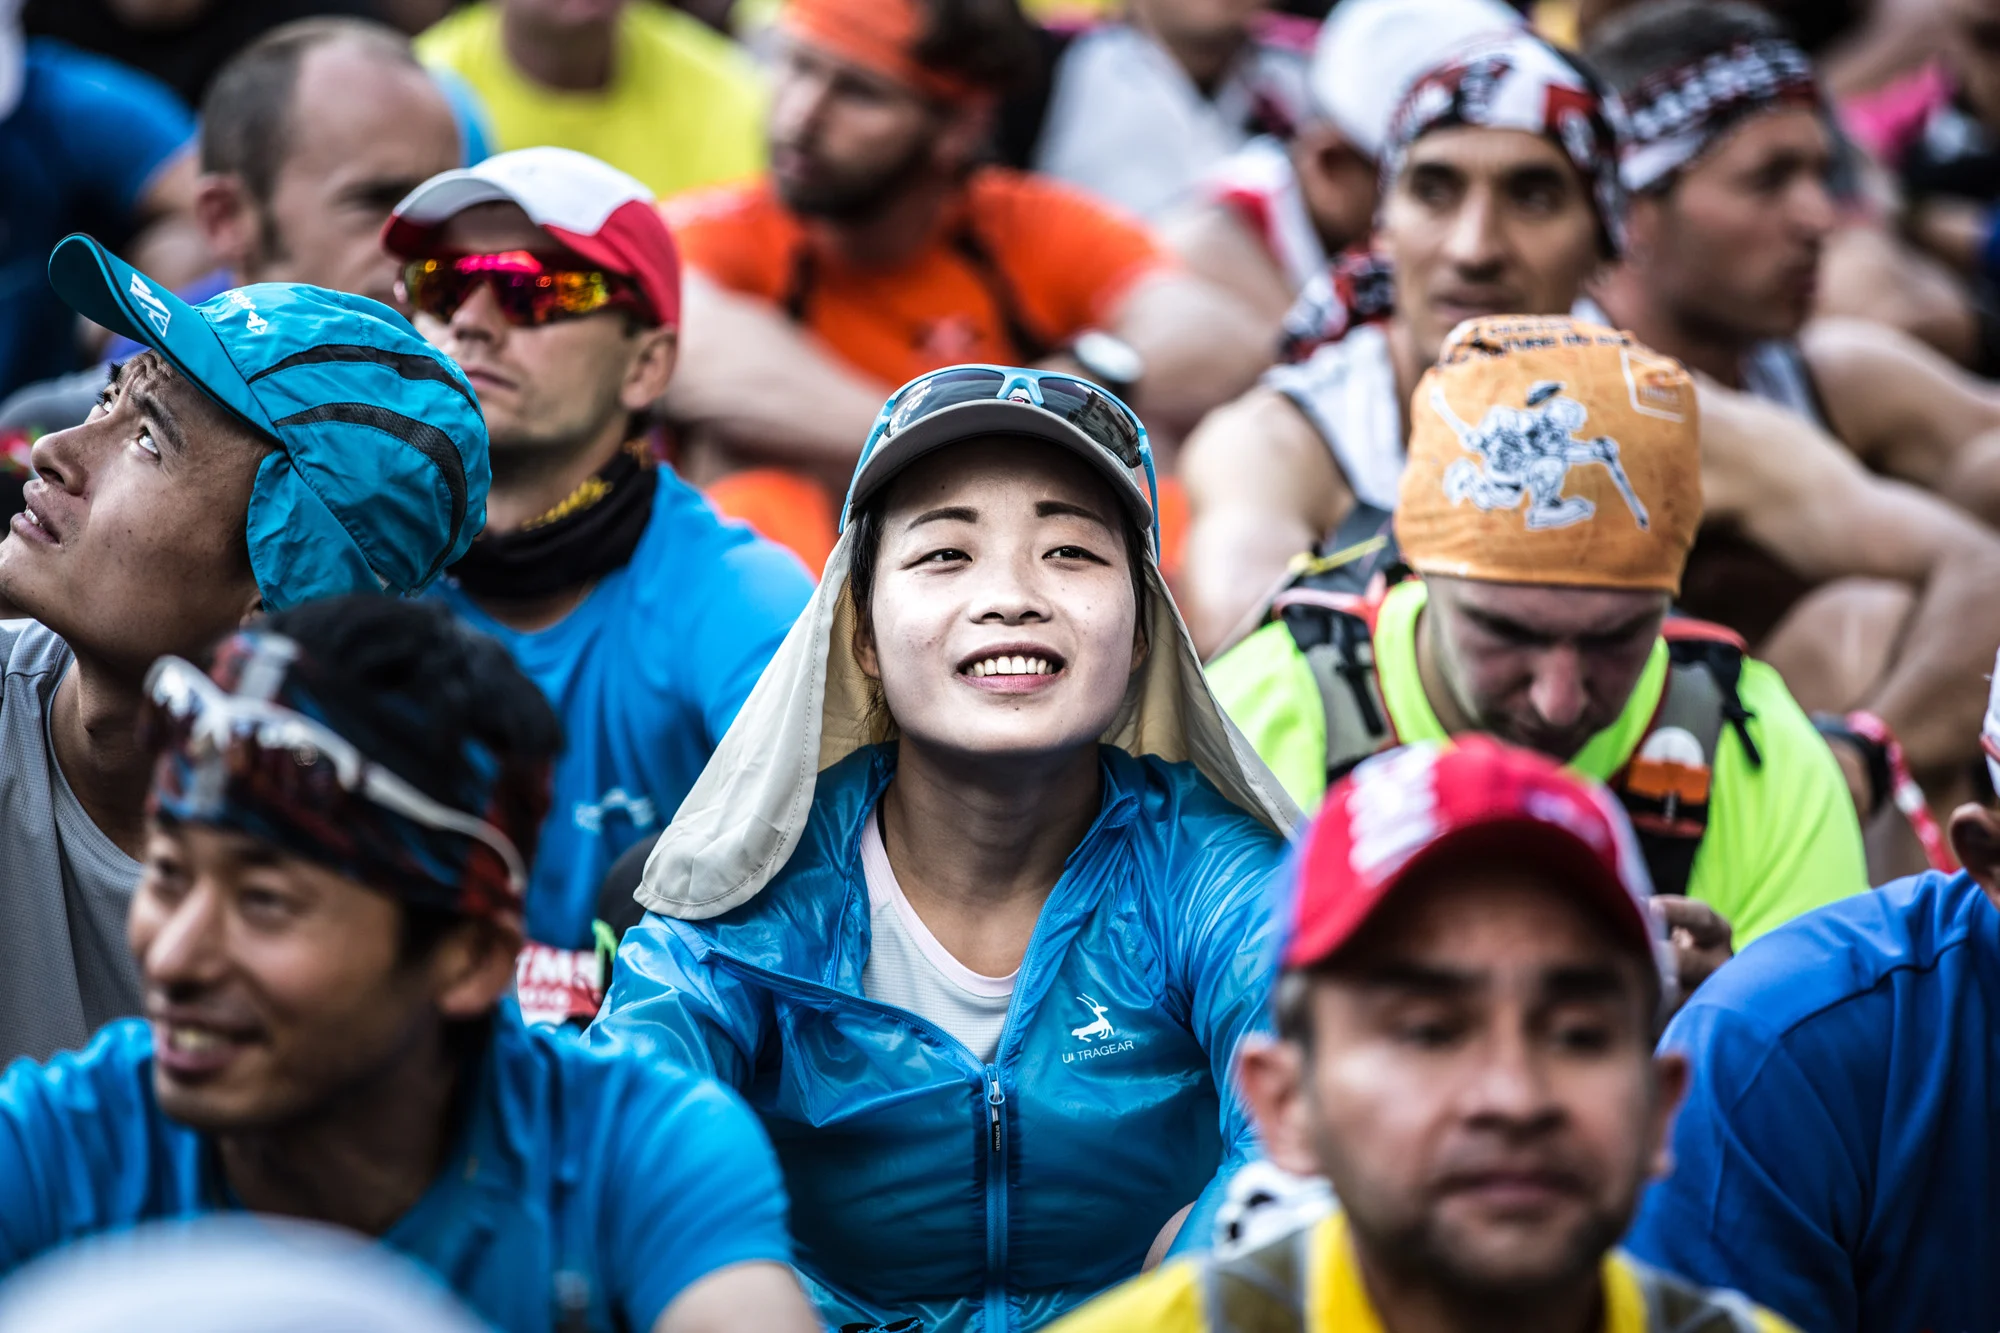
1347	390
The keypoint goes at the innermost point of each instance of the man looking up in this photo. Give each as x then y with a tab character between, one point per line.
1465	1049
550	278
1551	496
1472	224
339	833
877	250
277	443
641	85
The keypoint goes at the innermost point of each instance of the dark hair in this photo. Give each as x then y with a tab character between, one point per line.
1648	40
246	116
409	685
988	43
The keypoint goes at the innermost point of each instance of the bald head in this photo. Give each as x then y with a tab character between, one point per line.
310	136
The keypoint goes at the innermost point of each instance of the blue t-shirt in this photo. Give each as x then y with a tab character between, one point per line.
77	154
1838	1159
639	1178
647	675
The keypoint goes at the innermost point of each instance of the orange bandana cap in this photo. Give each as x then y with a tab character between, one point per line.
880	36
1551	451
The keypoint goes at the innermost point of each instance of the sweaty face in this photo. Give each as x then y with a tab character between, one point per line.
132	543
1545	668
1482	1090
272	984
364	133
541	389
844	141
1486	222
1003	612
1733	248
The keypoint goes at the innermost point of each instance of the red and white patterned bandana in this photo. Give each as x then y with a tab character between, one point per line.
1679	114
1517	81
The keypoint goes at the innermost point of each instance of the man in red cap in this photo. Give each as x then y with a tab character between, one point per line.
879	248
550	278
1471	988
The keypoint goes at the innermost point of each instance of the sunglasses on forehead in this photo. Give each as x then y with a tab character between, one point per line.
292	761
1107	421
530	291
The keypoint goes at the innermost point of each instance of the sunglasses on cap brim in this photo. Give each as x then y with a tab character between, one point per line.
292	760
1102	418
530	291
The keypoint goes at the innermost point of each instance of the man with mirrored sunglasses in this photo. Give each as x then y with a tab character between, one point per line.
551	279
344	806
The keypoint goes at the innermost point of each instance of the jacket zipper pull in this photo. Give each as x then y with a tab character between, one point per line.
995	1099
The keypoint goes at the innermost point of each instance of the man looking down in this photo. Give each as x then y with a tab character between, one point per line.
1465	1049
877	249
277	443
1551	495
339	833
551	279
1486	214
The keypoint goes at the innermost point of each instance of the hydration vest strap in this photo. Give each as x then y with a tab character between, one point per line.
1666	786
1261	1290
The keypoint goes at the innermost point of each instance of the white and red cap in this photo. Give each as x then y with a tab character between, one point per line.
1478	802
593	208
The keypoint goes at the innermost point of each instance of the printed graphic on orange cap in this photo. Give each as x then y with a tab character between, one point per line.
1547	450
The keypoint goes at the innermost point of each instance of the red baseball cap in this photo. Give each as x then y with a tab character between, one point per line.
590	206
1476	800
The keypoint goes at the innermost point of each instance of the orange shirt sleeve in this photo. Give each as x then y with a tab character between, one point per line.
737	235
1071	258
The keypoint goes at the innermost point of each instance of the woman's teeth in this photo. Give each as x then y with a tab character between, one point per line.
193	1040
1010	666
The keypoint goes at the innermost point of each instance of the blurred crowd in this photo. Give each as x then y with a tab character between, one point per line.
953	666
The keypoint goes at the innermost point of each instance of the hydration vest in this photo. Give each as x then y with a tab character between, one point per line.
1263	1290
1330	607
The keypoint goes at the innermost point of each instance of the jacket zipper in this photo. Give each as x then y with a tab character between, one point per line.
996	1205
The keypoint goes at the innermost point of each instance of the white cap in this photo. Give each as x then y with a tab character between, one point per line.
229	1275
1371	51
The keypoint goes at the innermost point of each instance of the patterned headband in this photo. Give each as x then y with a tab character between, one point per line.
1516	81
1679	114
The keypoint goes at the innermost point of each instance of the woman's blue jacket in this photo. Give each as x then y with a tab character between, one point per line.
926	1185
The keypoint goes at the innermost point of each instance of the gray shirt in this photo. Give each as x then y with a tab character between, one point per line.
64	885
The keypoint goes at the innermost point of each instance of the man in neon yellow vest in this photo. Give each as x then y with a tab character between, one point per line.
1551	496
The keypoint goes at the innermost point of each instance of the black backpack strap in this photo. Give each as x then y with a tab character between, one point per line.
1666	787
1339	645
1261	1290
1029	345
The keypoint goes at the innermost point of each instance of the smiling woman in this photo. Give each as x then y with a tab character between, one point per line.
979	854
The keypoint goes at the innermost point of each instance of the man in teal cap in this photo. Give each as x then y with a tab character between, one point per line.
277	443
